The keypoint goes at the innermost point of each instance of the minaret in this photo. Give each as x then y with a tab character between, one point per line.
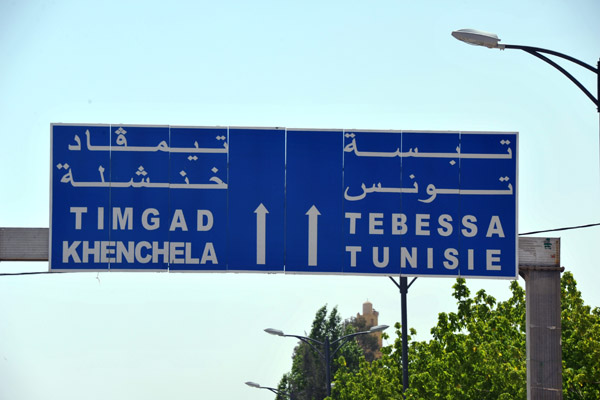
371	318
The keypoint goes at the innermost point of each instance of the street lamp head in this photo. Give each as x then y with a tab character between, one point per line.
275	332
478	38
253	384
378	328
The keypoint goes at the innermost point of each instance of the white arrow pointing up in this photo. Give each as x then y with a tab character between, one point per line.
261	233
313	215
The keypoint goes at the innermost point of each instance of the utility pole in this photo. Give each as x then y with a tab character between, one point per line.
539	265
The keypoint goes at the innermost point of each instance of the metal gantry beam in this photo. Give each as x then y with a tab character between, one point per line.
24	244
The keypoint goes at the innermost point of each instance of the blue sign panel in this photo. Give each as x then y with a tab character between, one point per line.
198	199
372	202
431	163
256	199
80	200
488	188
283	200
139	194
314	214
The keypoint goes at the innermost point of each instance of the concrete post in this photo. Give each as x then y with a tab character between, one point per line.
543	313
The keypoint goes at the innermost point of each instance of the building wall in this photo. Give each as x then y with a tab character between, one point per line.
371	318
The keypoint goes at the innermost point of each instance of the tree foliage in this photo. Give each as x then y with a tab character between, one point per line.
580	344
478	352
306	380
368	343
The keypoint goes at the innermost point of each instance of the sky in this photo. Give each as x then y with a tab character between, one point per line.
310	64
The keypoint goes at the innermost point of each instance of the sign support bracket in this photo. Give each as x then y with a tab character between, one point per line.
403	287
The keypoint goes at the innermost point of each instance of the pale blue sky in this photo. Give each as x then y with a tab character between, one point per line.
310	64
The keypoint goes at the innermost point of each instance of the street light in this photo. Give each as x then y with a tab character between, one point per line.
491	41
276	391
539	284
327	354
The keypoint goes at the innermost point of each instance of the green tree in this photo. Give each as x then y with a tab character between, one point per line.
368	343
478	352
580	343
380	379
306	379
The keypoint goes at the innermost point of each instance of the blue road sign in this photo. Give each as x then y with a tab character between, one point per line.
255	226
283	200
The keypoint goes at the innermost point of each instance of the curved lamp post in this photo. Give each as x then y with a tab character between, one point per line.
544	370
491	41
276	391
327	355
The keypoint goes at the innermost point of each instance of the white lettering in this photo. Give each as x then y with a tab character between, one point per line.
202	226
158	251
470	229
429	258
87	251
131	252
106	252
100	218
399	224
495	227
375	220
154	222
123	220
127	252
386	257
138	252
353	217
176	250
444	221
188	255
470	259
178	221
78	211
450	255
493	260
353	250
410	257
209	254
70	251
422	222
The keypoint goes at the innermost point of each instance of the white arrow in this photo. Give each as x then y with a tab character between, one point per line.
261	233
313	215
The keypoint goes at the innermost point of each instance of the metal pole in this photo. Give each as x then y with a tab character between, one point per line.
403	286
403	292
327	366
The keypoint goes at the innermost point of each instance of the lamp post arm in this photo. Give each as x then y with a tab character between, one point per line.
535	51
277	391
345	339
271	389
551	52
308	341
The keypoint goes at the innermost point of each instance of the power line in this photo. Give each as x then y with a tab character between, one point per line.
520	234
560	229
31	273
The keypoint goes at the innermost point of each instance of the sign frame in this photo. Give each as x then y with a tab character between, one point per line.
409	155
